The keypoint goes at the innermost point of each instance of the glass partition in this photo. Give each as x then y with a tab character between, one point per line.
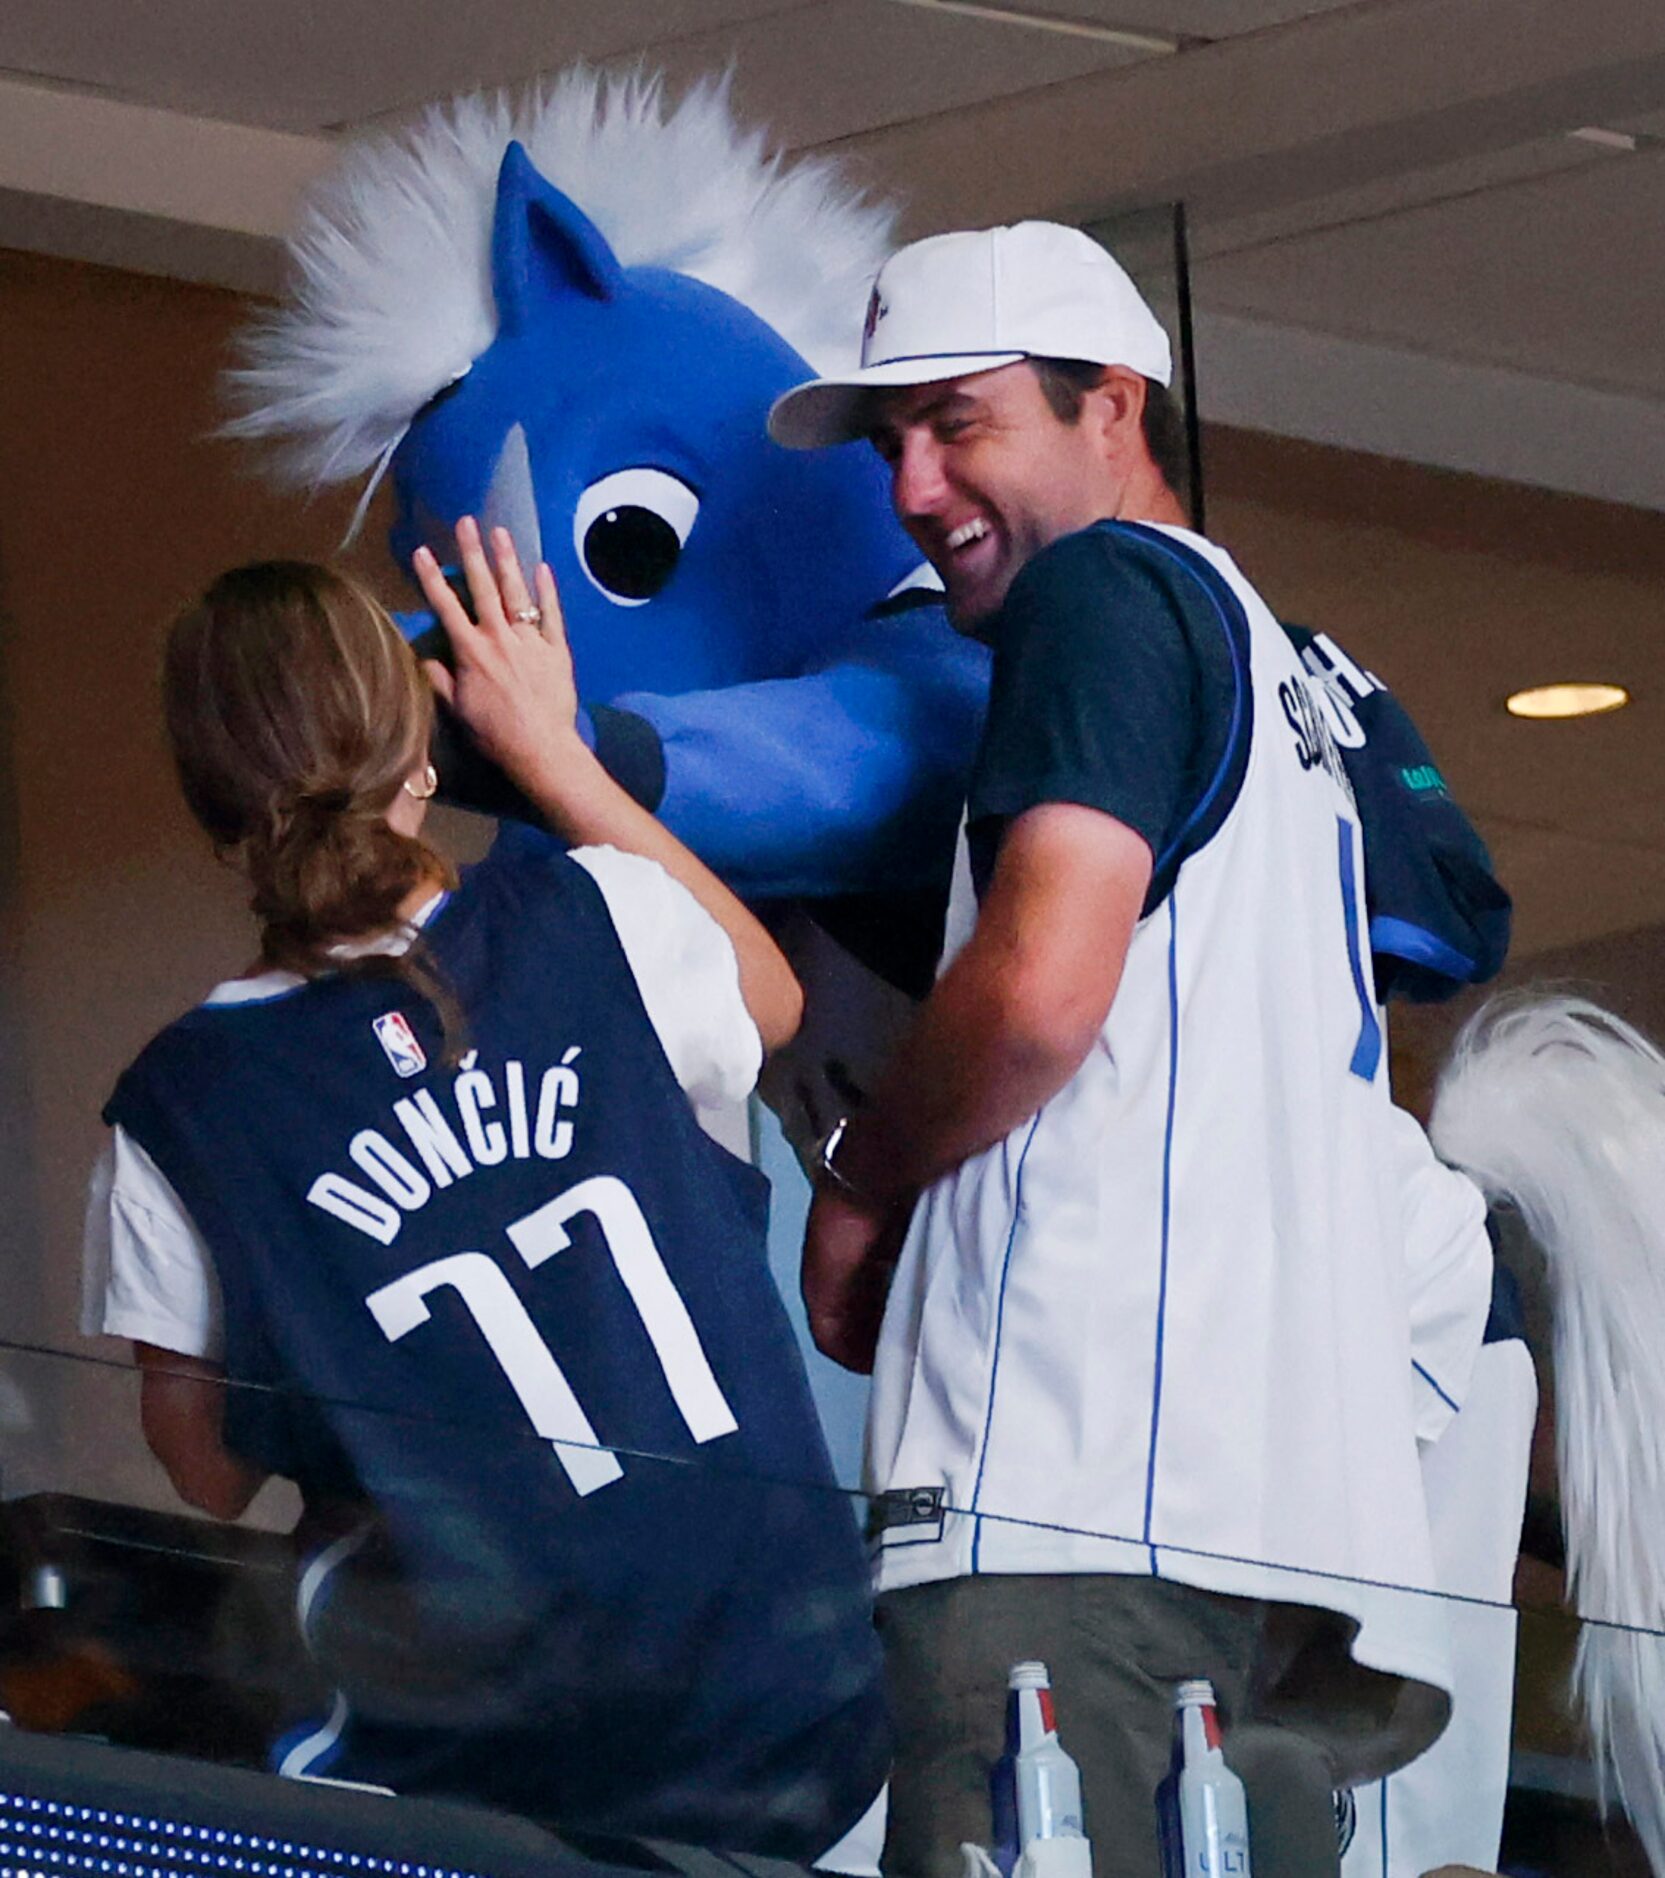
157	1666
1152	244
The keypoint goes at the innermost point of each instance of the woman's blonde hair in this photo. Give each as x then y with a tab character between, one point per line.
296	711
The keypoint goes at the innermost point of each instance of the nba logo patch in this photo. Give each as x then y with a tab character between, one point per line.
399	1041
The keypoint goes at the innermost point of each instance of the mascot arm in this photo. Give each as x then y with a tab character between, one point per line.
851	778
848	779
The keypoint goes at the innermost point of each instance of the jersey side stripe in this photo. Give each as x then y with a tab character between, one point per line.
1167	1199
1406	940
1432	1384
309	1756
1384	1829
1367	1052
999	1323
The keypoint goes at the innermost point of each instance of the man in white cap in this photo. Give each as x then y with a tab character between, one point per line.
1141	1401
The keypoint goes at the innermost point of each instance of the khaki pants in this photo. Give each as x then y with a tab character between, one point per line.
1115	1646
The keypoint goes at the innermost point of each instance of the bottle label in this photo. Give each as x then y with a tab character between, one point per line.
1201	1810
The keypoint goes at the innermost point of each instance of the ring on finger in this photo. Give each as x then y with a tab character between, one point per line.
527	615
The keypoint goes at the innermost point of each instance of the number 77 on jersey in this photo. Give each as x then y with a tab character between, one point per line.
518	1346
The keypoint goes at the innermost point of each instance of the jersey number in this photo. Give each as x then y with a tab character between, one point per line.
527	1361
1367	1051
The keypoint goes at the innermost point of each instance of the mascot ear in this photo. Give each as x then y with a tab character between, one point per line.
543	245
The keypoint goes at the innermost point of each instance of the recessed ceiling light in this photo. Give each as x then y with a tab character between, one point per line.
1566	700
1134	38
1620	142
1603	138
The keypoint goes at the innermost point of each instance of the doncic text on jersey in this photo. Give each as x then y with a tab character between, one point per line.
494	1121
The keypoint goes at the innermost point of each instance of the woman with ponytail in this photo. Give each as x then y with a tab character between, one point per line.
299	725
572	1513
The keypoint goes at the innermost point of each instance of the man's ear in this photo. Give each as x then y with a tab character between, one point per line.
1117	406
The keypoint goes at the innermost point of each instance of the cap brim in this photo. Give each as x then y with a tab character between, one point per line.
837	410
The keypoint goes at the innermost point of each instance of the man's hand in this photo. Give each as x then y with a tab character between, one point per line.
850	1254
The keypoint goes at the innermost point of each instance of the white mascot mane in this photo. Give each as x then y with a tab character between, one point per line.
391	296
1558	1106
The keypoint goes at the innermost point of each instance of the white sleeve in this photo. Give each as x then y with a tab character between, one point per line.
146	1271
1448	1266
686	971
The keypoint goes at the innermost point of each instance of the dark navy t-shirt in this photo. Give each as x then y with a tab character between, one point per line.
1118	659
1120	678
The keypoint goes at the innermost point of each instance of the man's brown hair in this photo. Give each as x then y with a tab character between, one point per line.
1065	384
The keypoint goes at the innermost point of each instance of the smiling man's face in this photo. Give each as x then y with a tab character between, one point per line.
984	474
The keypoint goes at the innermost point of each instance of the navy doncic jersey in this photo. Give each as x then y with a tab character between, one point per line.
521	1306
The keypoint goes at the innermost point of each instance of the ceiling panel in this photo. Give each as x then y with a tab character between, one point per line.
814	75
1200	19
305	65
1644	124
842	67
816	70
1409	188
1562	276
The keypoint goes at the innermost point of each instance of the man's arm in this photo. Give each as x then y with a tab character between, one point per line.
1006	1027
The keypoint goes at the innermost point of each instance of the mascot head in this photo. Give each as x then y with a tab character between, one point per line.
570	314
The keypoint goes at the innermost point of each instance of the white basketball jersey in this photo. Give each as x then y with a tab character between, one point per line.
1162	1327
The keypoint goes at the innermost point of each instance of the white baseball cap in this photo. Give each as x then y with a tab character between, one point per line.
952	305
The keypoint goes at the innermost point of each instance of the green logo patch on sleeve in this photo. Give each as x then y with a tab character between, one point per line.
1423	779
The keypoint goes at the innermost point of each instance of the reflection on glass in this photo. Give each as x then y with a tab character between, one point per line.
1152	244
137	1629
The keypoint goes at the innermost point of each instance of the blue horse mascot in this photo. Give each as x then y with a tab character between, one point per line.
568	313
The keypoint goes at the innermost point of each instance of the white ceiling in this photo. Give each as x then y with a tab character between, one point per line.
1202	19
1387	171
822	68
1555	270
1398	242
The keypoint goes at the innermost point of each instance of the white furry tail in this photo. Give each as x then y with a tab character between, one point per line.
1557	1106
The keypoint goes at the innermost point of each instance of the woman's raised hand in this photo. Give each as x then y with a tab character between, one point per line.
512	682
513	688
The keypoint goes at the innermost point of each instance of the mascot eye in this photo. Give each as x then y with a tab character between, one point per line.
629	529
